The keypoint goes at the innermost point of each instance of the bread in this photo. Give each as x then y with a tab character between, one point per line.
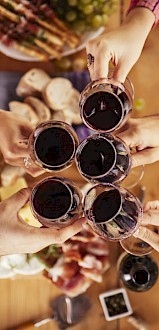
10	174
32	82
24	110
72	109
41	110
57	92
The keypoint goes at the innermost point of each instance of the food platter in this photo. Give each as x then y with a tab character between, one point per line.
16	54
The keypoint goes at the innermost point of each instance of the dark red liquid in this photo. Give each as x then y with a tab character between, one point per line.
102	110
141	276
106	206
97	157
51	199
54	146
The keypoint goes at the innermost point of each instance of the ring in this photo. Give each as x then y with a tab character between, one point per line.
90	59
27	162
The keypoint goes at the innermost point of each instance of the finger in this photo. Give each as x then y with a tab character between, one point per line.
101	65
121	70
150	218
131	139
33	170
146	156
148	236
151	205
63	234
18	200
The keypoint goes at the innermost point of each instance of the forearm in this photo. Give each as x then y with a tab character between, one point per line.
151	5
139	23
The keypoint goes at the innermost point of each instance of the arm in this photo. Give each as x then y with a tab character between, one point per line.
123	46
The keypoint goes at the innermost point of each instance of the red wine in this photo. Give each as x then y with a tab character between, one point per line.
103	110
112	212
138	273
54	146
106	206
103	158
97	157
52	199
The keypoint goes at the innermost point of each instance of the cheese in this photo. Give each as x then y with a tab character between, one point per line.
27	215
6	192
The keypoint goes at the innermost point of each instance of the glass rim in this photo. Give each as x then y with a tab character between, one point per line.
42	127
83	144
34	189
102	185
99	129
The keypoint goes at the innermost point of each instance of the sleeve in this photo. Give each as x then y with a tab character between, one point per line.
152	5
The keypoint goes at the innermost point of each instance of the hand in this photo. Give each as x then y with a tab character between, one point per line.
16	236
142	133
14	133
123	46
150	217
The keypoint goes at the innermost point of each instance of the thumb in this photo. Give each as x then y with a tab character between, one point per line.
129	138
148	236
18	200
146	156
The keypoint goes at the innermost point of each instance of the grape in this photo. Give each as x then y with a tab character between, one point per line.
71	16
64	63
72	3
88	9
85	2
79	26
104	19
139	104
96	21
84	15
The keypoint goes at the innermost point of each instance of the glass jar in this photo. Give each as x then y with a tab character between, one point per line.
137	273
106	105
113	212
56	201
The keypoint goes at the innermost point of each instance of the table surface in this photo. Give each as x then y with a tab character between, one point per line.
25	298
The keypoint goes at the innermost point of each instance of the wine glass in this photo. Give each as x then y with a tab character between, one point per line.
56	201
106	104
138	273
134	245
113	212
103	158
52	145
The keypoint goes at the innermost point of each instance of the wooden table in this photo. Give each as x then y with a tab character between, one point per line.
24	298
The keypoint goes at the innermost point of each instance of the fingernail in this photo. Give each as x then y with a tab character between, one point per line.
136	233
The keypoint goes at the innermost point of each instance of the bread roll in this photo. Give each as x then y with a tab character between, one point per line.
24	110
57	93
41	110
72	109
32	82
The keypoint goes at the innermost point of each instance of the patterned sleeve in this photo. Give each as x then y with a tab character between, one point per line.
153	5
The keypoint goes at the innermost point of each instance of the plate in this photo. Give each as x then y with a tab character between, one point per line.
17	55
